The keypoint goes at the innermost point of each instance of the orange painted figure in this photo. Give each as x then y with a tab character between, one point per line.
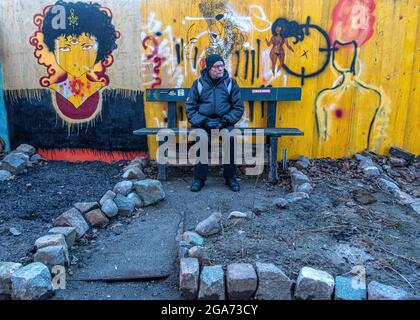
76	57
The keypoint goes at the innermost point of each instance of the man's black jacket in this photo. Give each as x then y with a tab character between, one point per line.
215	101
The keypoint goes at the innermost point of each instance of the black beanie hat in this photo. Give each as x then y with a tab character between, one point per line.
212	59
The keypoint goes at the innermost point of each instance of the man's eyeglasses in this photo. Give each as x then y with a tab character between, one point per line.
219	66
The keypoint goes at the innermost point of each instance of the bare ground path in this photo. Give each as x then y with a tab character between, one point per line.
328	231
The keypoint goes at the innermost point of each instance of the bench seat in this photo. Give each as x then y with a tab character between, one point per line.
272	132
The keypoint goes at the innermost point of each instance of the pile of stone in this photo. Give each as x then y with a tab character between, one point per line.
302	163
134	170
265	281
368	167
387	184
30	282
400	157
300	181
17	161
301	188
191	244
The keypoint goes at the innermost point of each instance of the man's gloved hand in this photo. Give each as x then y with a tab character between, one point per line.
213	124
225	121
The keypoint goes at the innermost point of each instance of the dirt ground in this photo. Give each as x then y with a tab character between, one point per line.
329	231
30	201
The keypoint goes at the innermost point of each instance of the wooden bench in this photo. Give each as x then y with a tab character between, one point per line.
265	94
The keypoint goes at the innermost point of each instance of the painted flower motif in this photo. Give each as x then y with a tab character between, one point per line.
76	86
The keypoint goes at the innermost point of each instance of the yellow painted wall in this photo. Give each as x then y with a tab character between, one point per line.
383	88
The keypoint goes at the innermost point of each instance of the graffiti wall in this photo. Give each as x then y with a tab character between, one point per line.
356	61
75	73
61	94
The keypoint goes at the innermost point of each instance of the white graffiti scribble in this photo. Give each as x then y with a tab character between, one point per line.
258	13
170	73
267	73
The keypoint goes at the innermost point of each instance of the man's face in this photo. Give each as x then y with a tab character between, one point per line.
217	70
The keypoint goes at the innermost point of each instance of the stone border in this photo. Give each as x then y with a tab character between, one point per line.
128	197
265	281
385	183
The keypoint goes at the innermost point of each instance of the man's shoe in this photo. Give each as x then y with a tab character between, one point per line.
233	184
197	185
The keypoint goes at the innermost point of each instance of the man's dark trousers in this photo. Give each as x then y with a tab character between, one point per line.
229	170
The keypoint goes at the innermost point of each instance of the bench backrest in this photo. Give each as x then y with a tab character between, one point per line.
248	94
269	94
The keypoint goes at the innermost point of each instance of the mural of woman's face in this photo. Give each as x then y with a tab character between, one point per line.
278	29
76	55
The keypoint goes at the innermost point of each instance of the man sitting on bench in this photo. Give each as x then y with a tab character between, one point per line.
214	102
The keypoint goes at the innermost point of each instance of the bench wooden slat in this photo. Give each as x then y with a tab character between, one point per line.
274	132
247	94
180	159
